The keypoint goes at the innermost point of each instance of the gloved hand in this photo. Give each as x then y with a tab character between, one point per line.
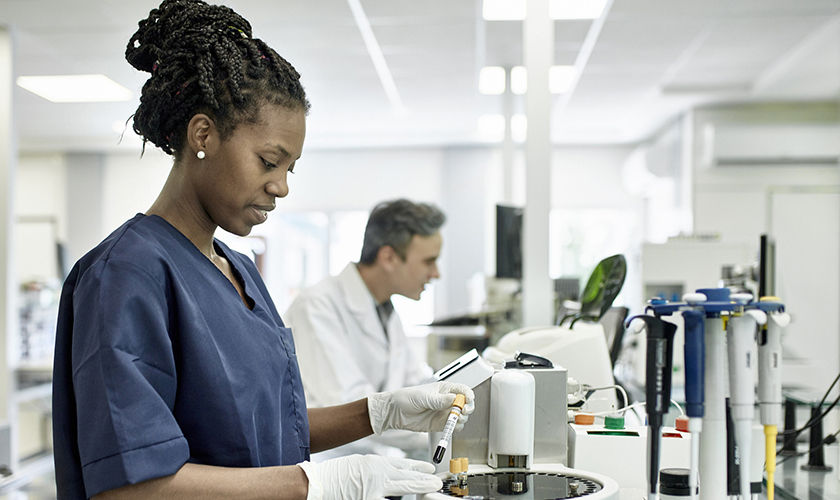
368	477
423	408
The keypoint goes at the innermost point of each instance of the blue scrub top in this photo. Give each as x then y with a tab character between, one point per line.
158	362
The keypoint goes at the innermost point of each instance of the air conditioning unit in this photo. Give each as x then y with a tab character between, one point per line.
788	144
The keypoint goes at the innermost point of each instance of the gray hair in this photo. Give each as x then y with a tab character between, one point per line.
394	223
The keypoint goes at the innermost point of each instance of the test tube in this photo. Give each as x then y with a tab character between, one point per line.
449	428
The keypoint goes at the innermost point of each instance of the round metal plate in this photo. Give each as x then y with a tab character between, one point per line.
520	486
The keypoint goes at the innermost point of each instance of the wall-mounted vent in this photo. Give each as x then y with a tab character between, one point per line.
808	144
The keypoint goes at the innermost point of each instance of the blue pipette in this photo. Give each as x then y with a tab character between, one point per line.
694	354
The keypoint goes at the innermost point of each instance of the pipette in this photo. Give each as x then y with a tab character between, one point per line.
695	354
713	437
694	357
741	333
449	428
770	380
659	363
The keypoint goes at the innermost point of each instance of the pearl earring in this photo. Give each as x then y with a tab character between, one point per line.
200	155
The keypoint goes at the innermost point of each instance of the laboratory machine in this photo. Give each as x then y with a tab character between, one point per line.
515	442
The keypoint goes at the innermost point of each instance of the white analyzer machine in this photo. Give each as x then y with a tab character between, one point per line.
516	439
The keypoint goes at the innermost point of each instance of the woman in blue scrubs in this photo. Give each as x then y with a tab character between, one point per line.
174	375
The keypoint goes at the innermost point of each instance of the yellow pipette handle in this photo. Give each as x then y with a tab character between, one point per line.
770	432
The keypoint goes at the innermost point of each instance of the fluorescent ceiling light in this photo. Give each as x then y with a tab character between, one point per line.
75	88
514	10
576	9
503	10
491	80
377	57
491	128
560	79
518	80
518	127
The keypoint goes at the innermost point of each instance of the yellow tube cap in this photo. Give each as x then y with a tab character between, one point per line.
460	401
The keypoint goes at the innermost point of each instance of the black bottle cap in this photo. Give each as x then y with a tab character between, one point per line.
674	481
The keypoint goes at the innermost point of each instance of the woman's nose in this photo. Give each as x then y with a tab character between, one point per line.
278	188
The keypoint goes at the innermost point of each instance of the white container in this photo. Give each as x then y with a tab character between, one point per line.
511	417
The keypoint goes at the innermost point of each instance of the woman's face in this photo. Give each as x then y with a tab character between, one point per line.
241	178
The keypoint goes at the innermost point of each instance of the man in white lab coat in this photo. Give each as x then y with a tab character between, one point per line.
350	343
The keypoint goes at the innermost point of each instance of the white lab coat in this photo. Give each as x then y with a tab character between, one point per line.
344	354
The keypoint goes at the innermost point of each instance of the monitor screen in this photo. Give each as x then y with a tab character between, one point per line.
766	266
508	242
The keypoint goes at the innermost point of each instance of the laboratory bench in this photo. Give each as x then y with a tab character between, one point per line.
793	482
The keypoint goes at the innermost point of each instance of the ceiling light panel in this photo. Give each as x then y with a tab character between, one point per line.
560	79
491	80
75	88
518	80
514	10
576	9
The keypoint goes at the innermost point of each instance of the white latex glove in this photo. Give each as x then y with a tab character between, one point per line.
423	408
368	477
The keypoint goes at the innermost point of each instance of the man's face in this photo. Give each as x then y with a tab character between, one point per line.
410	276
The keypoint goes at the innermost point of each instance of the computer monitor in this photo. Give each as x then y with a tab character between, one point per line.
508	242
766	266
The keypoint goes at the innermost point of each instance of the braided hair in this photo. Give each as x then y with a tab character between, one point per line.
202	59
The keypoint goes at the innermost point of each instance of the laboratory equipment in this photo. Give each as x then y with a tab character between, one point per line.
694	354
693	364
449	428
509	242
770	380
618	452
713	437
741	332
581	350
706	388
660	353
510	441
501	465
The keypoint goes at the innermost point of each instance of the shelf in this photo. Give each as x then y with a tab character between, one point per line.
27	472
30	393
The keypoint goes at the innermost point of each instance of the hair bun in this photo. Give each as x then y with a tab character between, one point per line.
141	56
142	49
166	29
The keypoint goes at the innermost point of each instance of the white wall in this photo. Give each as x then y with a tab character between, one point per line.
8	288
735	201
466	182
130	185
590	177
358	179
41	181
471	188
796	203
40	184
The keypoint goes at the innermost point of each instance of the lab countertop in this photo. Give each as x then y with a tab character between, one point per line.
793	482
